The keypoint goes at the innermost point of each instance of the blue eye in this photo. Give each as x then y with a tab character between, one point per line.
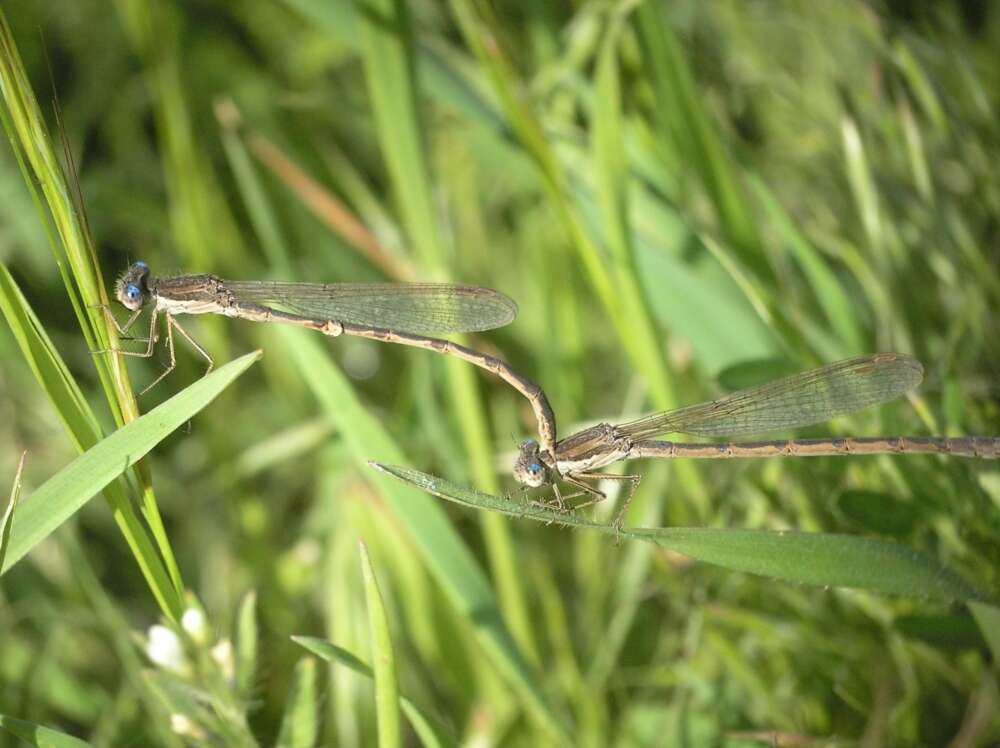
133	292
534	468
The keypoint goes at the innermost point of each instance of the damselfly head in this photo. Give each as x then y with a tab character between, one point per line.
529	469
130	288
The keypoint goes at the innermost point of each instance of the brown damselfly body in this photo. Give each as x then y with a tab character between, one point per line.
402	313
799	400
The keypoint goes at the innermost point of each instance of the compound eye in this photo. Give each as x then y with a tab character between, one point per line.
133	292
534	468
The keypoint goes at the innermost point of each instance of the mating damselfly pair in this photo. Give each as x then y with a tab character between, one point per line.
408	314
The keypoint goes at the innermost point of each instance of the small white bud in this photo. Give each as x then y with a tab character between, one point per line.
184	727
193	621
222	653
163	647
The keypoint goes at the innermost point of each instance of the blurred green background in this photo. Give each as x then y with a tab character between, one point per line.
683	198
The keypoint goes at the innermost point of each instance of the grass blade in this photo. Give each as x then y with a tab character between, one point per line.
393	77
62	495
386	686
299	726
682	116
246	645
432	732
8	516
37	735
821	559
448	558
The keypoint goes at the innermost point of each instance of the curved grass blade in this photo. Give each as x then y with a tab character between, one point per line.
69	489
821	559
8	516
432	732
37	735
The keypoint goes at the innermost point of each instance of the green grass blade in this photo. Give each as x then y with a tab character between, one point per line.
8	515
820	559
66	228
203	227
299	727
62	495
682	116
828	289
63	219
262	217
432	732
246	645
388	49
46	364
80	423
450	561
37	735
988	618
386	686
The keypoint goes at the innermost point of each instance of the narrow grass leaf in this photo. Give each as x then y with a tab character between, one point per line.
80	423
862	184
46	364
820	559
445	83
441	548
386	686
42	737
387	48
392	75
612	177
63	216
246	644
259	210
300	727
432	732
829	290
62	495
988	617
8	516
683	116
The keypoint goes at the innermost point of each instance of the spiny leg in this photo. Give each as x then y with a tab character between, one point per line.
109	315
176	325
620	517
583	489
560	499
173	358
150	341
172	325
633	479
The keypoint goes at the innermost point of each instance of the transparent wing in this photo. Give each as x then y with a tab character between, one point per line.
799	400
421	308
